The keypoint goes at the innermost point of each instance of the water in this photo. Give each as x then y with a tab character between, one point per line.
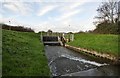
66	62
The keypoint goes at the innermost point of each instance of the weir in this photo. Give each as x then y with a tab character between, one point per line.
52	40
65	62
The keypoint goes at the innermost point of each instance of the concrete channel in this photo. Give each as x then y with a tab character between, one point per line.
65	62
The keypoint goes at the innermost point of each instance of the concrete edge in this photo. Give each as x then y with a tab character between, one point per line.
95	53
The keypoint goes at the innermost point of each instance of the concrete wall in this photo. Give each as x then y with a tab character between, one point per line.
95	53
50	38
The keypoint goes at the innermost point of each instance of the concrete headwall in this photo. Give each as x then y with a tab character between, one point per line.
51	40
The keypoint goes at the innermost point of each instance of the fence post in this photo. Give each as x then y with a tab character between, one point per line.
72	37
41	37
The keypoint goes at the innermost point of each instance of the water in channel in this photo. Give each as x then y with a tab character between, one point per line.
65	62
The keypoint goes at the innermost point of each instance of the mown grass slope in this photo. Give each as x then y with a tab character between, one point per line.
104	43
23	54
0	51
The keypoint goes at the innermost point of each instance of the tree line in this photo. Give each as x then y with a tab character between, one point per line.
16	28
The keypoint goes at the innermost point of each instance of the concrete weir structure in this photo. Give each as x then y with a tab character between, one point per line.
51	40
65	61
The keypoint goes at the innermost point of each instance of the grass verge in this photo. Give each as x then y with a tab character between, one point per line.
23	54
104	43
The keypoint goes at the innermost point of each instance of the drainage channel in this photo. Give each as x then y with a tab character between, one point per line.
65	62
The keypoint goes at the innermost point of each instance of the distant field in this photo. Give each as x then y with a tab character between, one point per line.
23	55
98	42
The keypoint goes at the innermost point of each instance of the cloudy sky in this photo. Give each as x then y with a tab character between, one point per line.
57	15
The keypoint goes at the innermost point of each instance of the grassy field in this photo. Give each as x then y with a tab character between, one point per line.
0	51
98	42
23	54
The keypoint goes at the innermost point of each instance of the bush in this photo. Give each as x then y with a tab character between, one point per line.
107	28
16	28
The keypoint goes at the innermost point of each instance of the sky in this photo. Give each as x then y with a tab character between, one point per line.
57	15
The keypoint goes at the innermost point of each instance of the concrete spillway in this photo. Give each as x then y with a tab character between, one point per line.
64	62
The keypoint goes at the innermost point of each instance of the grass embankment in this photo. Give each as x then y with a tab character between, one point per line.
0	51
104	43
23	54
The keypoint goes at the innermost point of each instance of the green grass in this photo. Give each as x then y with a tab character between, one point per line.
104	43
0	51
23	54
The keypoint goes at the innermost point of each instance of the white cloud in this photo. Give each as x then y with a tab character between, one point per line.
9	21
57	22
61	22
66	22
68	14
85	25
11	7
68	9
18	7
44	26
14	22
75	5
70	6
1	16
46	9
59	0
58	26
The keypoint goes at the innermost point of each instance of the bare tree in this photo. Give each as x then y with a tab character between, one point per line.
118	11
107	10
112	6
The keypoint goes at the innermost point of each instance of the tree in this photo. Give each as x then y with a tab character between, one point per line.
119	11
49	31
108	18
107	11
